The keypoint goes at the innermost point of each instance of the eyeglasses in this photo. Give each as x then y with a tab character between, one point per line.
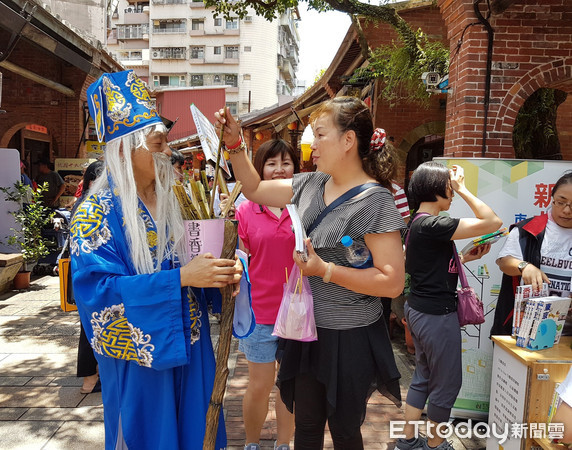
562	204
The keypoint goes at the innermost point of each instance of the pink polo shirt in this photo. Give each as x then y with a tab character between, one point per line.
270	241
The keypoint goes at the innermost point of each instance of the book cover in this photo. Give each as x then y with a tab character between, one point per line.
554	403
548	322
526	324
523	293
490	238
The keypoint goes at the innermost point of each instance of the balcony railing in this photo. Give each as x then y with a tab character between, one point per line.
169	31
169	2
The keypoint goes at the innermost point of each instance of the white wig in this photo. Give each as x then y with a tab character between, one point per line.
168	218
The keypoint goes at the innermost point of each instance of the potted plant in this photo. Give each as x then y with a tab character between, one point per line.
31	216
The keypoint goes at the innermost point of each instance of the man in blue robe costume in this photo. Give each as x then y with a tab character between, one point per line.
150	335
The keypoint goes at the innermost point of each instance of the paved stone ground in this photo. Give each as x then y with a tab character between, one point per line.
41	406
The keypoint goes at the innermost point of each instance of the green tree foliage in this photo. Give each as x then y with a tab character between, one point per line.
534	134
399	65
400	74
32	216
271	9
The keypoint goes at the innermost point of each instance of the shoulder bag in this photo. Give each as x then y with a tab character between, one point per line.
469	307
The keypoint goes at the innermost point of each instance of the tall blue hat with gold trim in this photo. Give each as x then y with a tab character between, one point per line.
119	104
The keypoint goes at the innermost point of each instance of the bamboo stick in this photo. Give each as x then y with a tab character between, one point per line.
188	211
205	182
231	199
200	201
222	183
217	169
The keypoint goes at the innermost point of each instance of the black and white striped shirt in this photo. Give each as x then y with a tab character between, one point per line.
371	212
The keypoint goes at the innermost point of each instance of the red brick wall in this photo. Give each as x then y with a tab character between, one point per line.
564	127
532	49
27	102
407	120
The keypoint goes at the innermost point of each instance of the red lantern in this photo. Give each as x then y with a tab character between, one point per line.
293	126
200	156
258	136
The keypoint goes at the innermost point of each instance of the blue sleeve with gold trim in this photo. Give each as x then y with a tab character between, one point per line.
147	319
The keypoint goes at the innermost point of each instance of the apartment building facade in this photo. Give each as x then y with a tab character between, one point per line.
179	43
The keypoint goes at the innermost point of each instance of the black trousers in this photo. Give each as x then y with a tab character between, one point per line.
86	362
311	414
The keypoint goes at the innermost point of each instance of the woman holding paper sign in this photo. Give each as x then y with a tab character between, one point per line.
265	233
431	308
330	380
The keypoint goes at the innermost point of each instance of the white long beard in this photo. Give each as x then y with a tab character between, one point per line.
168	218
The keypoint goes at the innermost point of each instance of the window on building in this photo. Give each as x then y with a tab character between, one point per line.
197	80
217	50
217	79
232	24
197	24
247	48
197	52
246	77
131	56
231	79
233	107
168	52
218	22
175	80
168	80
170	27
132	31
231	52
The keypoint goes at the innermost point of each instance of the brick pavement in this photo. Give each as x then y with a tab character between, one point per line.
40	403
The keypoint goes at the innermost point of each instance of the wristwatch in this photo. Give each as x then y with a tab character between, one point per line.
522	265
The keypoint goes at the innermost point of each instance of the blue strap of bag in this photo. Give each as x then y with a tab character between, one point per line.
337	202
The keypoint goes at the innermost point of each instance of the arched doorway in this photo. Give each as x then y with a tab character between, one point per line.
535	132
425	149
34	142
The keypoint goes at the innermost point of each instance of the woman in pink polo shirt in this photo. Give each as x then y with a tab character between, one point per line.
266	234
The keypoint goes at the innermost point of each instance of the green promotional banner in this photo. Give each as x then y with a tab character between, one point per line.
515	190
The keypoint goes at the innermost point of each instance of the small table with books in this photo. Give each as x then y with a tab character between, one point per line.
522	389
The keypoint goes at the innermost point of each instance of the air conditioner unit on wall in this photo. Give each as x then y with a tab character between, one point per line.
155	54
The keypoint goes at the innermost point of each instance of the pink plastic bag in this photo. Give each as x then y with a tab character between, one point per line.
295	319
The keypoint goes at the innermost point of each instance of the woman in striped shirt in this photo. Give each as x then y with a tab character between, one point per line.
330	380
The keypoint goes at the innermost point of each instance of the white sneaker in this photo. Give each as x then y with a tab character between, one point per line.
281	446
419	442
445	445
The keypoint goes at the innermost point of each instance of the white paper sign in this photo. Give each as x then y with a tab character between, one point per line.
208	137
508	397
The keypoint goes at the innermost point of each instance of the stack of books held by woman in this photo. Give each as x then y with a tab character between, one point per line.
490	238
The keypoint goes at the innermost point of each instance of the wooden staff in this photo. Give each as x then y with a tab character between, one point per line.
217	170
223	350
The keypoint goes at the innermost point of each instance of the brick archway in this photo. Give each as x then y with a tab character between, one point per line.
10	132
547	75
555	74
436	127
